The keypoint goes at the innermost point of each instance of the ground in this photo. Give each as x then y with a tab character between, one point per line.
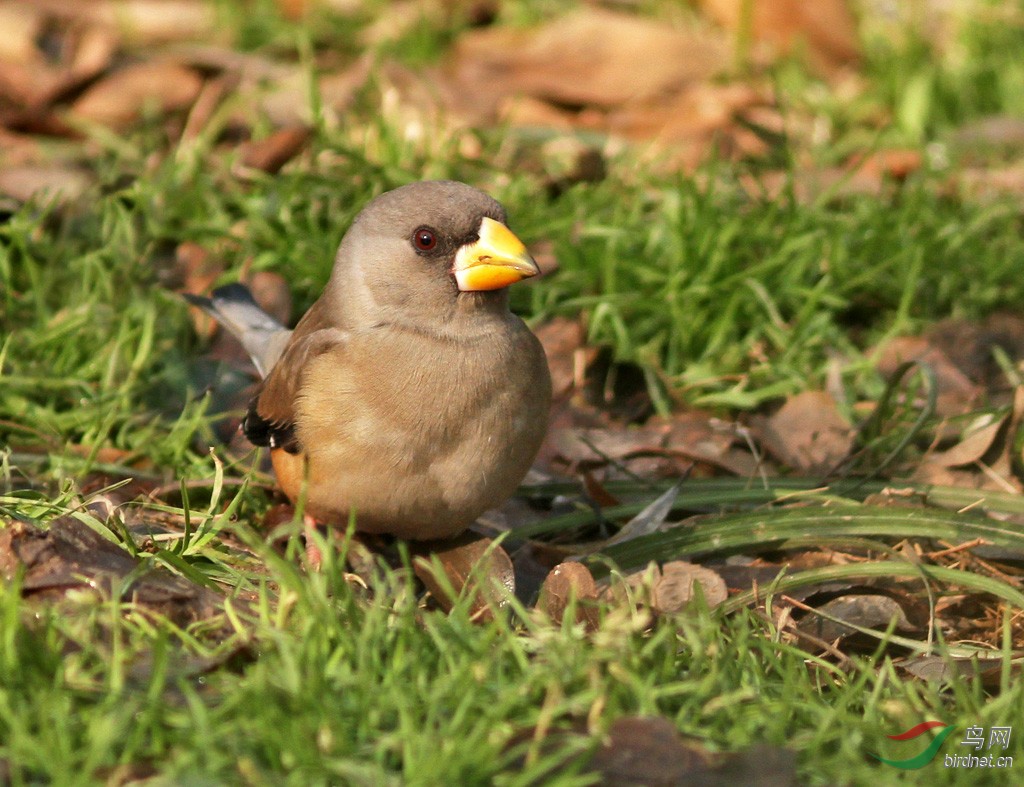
778	516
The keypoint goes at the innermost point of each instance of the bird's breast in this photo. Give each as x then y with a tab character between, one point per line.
418	434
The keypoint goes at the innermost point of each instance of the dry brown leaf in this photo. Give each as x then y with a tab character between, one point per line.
62	183
690	122
667	589
294	9
140	22
127	95
526	111
897	164
971	346
940	669
705	439
21	149
27	84
648	751
825	29
195	271
464	560
591	57
973	447
563	342
598	446
810	183
1001	131
270	290
272	153
807	433
991	182
282	94
956	393
69	555
565	582
874	611
205	107
94	52
86	53
674	590
22	24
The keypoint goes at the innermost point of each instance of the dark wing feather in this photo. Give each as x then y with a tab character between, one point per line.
271	417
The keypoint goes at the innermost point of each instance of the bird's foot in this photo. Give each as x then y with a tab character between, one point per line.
313	555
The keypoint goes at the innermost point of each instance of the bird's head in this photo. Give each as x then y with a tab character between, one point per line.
428	250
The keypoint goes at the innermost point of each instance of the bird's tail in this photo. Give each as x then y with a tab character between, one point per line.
233	306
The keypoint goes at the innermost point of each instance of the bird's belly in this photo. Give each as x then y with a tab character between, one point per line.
420	472
412	492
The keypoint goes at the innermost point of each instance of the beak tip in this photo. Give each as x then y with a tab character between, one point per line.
495	261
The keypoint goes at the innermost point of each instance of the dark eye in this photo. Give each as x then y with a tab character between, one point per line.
424	239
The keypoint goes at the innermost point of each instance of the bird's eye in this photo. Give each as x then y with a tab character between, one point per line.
424	239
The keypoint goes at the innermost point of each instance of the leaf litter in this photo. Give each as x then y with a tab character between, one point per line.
122	64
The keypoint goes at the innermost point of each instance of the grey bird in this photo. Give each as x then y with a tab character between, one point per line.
409	395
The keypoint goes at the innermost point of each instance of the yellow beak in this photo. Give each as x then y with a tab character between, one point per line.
496	260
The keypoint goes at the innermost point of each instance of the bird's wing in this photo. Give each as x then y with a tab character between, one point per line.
263	337
271	417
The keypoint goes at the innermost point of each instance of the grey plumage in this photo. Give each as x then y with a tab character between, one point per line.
233	306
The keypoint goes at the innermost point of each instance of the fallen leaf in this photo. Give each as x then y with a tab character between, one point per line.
591	57
26	84
807	433
698	119
127	95
971	346
872	611
650	519
825	30
599	446
470	564
593	70
22	25
956	393
206	105
61	183
282	94
976	443
272	153
648	751
990	182
674	590
759	766
90	53
898	164
140	22
706	439
563	343
810	183
69	555
570	581
666	589
1002	132
194	272
270	290
943	669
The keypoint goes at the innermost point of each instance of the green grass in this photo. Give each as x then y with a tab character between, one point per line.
728	300
328	684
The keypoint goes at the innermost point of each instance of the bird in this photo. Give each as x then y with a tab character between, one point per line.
409	397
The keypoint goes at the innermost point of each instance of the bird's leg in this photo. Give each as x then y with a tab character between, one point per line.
312	550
